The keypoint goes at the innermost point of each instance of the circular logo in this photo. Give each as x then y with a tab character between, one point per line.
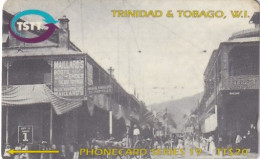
48	19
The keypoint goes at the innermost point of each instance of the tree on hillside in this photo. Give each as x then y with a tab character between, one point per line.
171	120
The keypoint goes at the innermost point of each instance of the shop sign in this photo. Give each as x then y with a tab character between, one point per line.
25	134
68	77
234	93
105	89
243	82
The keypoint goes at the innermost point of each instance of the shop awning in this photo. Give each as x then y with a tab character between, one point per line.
103	102
210	124
23	95
19	95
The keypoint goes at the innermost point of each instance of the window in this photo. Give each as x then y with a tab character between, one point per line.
90	74
243	60
30	72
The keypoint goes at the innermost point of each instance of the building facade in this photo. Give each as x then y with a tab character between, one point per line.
52	92
229	106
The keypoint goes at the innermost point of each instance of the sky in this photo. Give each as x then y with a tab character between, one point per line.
160	59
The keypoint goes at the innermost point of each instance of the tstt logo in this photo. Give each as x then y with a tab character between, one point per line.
26	26
30	26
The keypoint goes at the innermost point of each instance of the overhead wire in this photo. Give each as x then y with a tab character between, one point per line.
131	27
69	5
167	28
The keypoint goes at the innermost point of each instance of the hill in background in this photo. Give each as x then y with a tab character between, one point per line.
179	108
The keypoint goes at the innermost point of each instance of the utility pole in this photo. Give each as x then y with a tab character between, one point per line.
166	121
8	65
110	70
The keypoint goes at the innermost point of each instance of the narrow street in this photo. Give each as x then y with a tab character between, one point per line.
130	79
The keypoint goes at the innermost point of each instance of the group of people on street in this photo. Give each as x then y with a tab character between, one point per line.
208	144
141	136
248	140
71	151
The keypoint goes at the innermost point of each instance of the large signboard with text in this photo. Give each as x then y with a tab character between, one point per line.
68	77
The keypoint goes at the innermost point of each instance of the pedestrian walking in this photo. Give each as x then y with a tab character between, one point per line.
76	151
62	152
212	146
204	143
136	134
54	156
238	141
253	138
180	144
6	153
17	155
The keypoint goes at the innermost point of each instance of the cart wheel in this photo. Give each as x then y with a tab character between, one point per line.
142	145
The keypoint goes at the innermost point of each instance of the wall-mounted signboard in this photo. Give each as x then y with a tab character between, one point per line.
68	77
25	134
105	89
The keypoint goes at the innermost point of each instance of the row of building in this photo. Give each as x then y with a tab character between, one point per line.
52	92
229	106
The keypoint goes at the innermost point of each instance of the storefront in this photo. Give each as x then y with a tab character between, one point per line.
36	106
239	112
54	93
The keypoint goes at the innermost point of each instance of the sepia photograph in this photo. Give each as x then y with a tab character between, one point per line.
130	79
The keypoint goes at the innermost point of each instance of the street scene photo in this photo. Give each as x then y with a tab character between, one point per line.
130	79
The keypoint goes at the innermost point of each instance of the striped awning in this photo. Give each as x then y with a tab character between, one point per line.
18	95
